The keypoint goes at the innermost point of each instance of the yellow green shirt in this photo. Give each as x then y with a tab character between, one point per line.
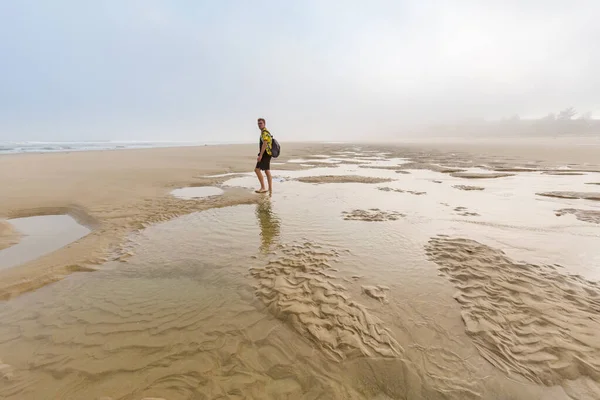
265	136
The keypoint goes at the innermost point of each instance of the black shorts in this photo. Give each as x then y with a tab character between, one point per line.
264	163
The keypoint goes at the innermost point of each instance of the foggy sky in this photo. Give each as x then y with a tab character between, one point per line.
316	70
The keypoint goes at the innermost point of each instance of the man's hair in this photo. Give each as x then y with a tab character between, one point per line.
262	120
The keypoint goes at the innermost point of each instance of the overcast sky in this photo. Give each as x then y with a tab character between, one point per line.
315	69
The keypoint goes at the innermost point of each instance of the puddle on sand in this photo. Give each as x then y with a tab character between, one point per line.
220	175
330	161
42	235
196	192
277	299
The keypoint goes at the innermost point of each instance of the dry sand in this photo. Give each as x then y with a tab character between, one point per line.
114	193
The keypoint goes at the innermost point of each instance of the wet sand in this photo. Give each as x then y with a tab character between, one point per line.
8	235
337	290
113	193
592	216
468	188
372	215
520	322
572	195
468	175
389	189
342	179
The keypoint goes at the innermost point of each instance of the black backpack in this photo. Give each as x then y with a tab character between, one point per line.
275	148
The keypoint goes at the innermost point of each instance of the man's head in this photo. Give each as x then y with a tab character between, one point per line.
261	123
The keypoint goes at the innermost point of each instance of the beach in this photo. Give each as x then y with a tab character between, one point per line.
112	192
414	270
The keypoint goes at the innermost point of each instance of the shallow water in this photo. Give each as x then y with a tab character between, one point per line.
42	235
197	192
286	298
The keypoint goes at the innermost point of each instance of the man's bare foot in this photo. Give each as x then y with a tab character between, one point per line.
261	191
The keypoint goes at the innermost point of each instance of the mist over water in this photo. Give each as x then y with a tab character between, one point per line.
156	71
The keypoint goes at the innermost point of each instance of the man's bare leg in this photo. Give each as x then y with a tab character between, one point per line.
261	180
270	180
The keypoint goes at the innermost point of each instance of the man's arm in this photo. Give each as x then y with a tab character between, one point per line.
262	150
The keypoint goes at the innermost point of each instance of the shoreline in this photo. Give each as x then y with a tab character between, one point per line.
7	147
116	193
9	236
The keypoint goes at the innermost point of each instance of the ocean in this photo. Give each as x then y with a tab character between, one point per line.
53	147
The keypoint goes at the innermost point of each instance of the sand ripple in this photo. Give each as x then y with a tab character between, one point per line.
431	167
297	287
342	179
515	169
592	216
378	292
389	189
572	195
383	167
467	187
475	175
165	335
532	320
372	215
464	212
563	173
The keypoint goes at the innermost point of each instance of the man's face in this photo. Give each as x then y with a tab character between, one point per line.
261	125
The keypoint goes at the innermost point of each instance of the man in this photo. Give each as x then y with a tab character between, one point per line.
263	161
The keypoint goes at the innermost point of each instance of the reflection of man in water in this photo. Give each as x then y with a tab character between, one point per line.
269	223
